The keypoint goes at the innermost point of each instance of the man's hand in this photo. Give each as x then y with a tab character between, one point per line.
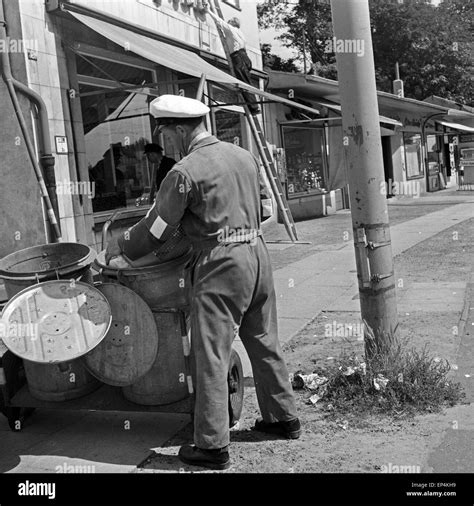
113	250
119	263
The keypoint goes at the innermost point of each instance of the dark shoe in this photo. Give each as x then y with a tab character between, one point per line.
212	459
290	429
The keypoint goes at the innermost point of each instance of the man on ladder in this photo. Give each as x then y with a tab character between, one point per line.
235	42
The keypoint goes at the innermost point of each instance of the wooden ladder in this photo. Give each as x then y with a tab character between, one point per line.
262	146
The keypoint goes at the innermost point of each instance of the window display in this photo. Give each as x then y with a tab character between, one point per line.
305	160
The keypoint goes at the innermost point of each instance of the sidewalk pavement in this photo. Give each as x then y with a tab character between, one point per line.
327	280
323	281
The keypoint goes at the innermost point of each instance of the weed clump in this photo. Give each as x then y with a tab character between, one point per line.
397	381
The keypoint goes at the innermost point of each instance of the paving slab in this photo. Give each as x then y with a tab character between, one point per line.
288	327
302	288
106	440
409	233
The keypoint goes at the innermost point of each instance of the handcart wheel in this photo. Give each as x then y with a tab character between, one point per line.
235	380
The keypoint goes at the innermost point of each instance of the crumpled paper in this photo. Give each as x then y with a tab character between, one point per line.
311	381
314	399
360	367
380	382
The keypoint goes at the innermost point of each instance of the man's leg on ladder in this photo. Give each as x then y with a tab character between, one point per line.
241	62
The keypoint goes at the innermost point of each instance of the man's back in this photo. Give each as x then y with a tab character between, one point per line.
223	195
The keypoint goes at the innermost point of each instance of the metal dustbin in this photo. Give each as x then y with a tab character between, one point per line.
66	260
140	353
27	267
163	288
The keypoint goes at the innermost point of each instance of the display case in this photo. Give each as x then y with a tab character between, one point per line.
305	160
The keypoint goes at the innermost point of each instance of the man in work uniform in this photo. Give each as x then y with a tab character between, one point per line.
214	193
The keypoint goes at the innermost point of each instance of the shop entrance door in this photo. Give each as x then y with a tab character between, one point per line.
387	164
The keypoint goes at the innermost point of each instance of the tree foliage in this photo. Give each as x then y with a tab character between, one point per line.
431	44
275	62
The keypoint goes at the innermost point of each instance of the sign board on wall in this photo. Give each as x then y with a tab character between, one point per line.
61	145
466	138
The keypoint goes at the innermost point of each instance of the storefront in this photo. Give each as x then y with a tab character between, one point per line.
466	161
315	171
97	67
415	138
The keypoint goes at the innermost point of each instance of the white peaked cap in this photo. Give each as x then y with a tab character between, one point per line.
174	106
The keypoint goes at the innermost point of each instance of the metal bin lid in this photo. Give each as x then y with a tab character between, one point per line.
130	347
55	321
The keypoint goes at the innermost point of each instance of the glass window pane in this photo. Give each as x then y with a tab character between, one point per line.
229	126
432	154
116	128
187	87
304	160
105	69
412	144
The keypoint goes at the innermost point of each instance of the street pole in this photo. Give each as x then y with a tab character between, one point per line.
363	152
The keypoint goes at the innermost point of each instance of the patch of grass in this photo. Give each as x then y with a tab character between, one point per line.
399	381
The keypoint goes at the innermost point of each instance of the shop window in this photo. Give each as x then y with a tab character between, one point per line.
116	127
187	86
92	66
433	154
229	126
413	156
228	118
305	160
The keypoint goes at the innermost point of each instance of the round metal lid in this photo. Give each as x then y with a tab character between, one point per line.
55	321
129	349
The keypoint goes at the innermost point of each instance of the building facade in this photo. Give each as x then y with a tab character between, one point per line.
417	140
97	64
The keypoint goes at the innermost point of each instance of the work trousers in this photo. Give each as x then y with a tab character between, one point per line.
233	294
242	67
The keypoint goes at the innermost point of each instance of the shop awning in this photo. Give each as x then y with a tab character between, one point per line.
457	120
316	89
456	126
337	108
175	58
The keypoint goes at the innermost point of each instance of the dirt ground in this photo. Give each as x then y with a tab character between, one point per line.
332	445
